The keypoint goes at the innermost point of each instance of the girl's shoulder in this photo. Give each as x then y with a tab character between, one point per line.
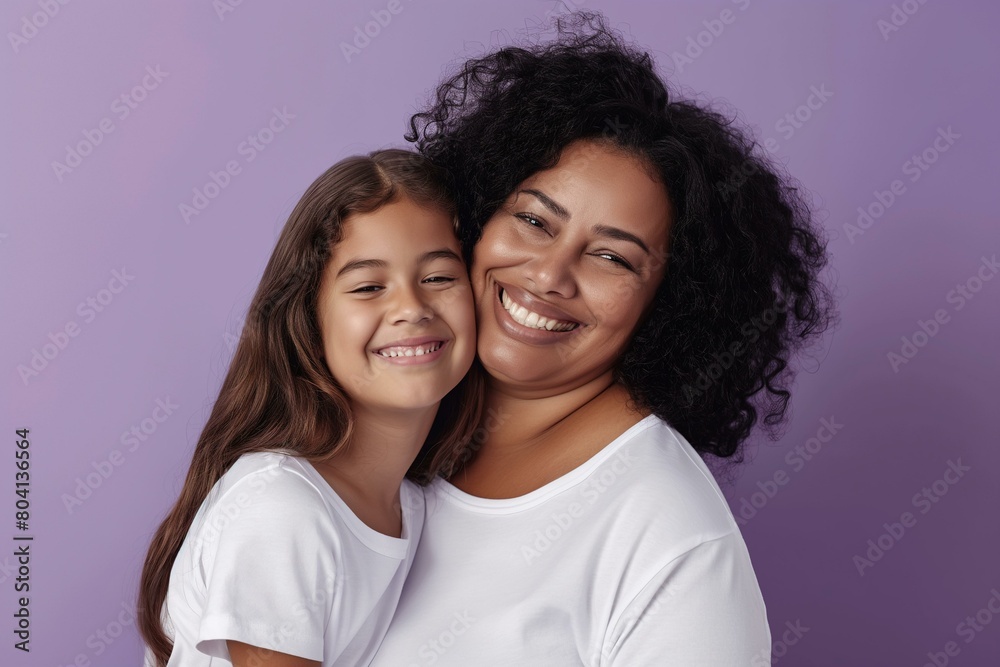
270	463
272	476
282	479
253	462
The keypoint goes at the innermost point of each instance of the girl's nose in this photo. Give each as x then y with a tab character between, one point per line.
410	305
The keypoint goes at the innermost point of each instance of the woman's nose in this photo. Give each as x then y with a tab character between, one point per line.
551	269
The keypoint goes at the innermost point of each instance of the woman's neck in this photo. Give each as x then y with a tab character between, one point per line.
531	440
516	420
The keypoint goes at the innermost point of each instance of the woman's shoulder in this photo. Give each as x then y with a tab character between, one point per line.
663	476
655	442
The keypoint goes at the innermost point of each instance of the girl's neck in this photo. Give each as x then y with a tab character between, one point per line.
369	470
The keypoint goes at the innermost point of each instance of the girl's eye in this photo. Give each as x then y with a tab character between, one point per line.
440	279
367	289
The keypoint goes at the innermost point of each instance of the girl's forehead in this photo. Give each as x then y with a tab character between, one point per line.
406	233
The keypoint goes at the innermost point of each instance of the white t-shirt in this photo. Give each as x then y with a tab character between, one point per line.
631	559
276	559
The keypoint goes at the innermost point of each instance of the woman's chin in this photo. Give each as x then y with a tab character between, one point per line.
507	365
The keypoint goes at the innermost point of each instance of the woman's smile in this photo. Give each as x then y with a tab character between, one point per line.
522	317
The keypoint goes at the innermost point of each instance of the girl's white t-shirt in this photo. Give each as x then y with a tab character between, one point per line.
632	559
276	559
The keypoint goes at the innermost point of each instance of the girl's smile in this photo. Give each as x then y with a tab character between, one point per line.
411	351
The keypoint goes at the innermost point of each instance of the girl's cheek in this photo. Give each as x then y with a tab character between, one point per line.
458	296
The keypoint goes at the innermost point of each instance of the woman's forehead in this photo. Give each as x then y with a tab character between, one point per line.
592	180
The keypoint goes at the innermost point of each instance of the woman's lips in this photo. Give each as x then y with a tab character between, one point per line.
532	303
527	334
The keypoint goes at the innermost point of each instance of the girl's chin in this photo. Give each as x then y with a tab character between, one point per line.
403	406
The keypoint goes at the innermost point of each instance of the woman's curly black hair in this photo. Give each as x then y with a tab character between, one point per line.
741	291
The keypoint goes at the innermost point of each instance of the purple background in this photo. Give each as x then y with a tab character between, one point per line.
170	332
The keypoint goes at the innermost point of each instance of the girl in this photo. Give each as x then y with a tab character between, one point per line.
300	513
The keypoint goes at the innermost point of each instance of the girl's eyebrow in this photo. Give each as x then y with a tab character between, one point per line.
441	253
357	264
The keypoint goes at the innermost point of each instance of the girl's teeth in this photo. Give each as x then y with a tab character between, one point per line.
410	351
527	318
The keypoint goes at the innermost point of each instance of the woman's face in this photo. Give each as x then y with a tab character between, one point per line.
566	268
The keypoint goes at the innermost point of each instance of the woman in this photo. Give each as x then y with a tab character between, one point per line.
621	276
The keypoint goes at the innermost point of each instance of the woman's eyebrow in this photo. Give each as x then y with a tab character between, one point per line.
620	235
554	207
601	230
357	264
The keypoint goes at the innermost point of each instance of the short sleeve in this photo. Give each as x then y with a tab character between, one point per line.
267	552
702	609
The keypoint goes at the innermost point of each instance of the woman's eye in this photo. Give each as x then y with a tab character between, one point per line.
531	220
616	259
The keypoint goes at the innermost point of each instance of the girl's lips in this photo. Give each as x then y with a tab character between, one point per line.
414	360
412	342
528	334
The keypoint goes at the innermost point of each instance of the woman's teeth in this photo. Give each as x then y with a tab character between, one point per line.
525	317
403	351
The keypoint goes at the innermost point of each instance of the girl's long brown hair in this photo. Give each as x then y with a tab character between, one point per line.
278	394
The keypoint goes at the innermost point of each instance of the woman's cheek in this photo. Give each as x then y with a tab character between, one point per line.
608	296
502	242
627	295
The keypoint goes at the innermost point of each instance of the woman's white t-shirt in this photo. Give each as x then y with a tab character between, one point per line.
276	559
631	559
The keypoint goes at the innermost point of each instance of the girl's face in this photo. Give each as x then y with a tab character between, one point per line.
566	268
395	308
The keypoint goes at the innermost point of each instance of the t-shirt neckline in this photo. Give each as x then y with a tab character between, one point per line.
387	545
542	493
